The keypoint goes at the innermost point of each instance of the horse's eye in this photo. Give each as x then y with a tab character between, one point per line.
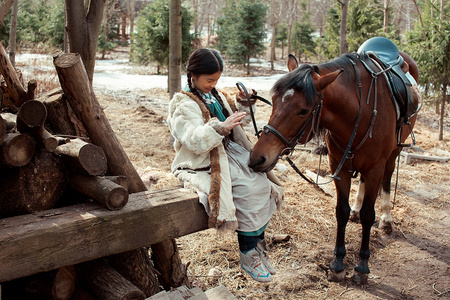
303	112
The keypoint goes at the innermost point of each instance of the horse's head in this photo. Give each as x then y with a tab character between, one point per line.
297	100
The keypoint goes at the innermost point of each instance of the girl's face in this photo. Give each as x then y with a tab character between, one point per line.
206	82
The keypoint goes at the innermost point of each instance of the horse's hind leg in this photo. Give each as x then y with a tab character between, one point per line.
356	207
386	217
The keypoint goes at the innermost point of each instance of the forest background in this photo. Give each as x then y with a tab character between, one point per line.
313	30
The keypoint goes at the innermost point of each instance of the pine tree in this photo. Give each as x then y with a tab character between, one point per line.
152	36
303	43
241	31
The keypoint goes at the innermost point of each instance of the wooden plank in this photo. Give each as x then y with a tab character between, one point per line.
409	156
220	292
55	238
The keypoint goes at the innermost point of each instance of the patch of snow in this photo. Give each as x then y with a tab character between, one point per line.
110	74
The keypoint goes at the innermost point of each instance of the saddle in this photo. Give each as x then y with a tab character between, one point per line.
383	53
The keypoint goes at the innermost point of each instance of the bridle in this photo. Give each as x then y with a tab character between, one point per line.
290	144
313	119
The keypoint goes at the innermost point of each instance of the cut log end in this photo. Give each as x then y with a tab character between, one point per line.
32	113
118	199
17	149
92	158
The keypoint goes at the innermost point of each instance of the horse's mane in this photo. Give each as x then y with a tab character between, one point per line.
300	79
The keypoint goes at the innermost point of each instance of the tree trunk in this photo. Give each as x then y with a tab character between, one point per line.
131	8
442	114
83	28
123	35
12	34
343	46
386	16
34	187
174	47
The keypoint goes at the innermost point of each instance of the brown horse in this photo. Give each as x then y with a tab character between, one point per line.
361	125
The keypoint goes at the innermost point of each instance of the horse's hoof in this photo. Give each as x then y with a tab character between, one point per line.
336	277
386	227
360	278
354	216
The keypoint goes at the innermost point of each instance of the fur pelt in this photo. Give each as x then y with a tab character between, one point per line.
214	190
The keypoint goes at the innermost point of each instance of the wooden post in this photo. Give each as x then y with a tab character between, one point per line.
109	194
78	90
16	150
30	119
81	97
18	93
106	283
82	157
34	187
2	129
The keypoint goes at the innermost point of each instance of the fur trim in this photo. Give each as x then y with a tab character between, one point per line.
217	125
214	191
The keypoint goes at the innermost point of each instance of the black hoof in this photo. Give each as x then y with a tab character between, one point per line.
337	265
336	277
360	278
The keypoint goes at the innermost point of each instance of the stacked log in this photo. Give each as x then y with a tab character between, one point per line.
59	145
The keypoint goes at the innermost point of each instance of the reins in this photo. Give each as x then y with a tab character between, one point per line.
293	141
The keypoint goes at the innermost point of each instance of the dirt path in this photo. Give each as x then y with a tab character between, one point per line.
411	263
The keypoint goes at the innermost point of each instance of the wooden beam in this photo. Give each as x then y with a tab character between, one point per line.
51	239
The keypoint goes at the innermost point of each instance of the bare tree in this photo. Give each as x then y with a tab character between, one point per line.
174	47
83	28
445	81
343	45
12	33
131	10
292	9
386	16
276	7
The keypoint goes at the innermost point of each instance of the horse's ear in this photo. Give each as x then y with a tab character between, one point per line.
322	82
292	63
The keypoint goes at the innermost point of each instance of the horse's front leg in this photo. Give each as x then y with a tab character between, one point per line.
367	216
337	265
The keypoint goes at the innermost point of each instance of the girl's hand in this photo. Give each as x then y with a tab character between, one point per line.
233	120
242	98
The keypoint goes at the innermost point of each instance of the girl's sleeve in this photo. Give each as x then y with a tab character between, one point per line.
186	124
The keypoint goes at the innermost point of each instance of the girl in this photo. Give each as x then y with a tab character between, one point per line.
212	152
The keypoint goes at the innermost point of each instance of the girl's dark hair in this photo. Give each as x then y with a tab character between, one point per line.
205	61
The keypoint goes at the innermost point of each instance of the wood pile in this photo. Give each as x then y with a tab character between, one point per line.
57	150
